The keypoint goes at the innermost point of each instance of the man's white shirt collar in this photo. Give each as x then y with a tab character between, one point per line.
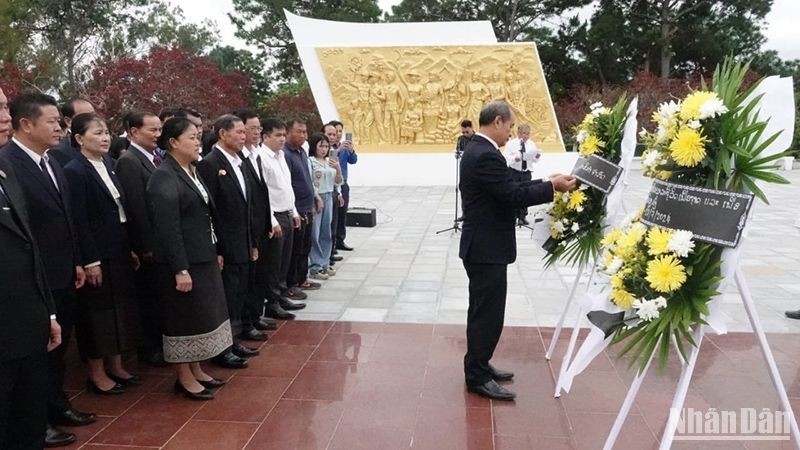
496	147
233	159
33	155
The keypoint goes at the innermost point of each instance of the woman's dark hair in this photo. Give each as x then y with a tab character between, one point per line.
80	124
315	139
173	129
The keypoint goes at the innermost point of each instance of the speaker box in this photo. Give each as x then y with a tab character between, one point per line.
361	217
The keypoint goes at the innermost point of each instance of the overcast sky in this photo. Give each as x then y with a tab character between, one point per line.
781	30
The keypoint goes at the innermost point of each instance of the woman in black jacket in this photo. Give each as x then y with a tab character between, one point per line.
195	316
107	321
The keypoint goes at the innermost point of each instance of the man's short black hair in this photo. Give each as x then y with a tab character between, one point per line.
187	111
167	113
68	108
336	123
225	122
270	124
294	121
246	114
29	106
329	124
135	119
466	123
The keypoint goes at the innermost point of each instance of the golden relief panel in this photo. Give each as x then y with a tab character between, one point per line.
413	99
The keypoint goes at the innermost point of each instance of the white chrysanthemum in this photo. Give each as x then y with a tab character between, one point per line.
595	106
647	309
639	227
575	227
582	135
661	302
583	187
661	133
615	265
712	108
579	209
558	226
681	243
693	124
651	159
565	197
643	132
667	111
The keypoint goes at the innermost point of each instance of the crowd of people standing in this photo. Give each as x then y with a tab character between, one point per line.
144	243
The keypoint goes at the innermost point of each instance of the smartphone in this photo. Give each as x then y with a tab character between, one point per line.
348	136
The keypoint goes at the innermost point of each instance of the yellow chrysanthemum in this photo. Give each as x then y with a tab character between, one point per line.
607	258
576	199
690	108
617	282
622	298
689	147
658	241
591	145
664	175
587	121
665	274
611	238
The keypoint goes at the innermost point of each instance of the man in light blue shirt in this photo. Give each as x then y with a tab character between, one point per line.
347	155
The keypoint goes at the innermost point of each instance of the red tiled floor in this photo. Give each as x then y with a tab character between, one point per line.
206	435
320	385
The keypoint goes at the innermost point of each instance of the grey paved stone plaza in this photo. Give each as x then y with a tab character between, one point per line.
402	271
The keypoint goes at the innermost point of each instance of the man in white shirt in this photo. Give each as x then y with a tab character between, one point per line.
284	219
521	153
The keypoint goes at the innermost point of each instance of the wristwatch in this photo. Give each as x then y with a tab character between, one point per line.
183	272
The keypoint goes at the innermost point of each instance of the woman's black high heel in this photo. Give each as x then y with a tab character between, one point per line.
205	394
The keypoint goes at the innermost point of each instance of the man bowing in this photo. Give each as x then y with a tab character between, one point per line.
488	243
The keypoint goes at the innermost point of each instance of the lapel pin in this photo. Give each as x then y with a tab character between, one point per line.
2	174
222	172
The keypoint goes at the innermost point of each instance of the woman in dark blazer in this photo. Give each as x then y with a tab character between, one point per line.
107	321
194	311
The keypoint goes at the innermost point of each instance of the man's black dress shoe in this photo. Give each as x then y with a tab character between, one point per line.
275	311
213	383
336	258
265	325
115	390
500	375
74	418
492	390
134	380
296	294
793	314
343	246
229	361
289	305
309	285
244	352
253	335
56	438
205	394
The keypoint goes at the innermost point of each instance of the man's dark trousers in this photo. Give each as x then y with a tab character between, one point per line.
279	254
66	304
341	224
235	280
485	316
301	247
30	420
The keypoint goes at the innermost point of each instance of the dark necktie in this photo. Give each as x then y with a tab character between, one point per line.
260	170
43	166
156	160
522	151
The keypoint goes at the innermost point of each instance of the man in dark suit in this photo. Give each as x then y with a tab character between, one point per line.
35	119
488	242
28	325
64	151
133	169
252	323
229	185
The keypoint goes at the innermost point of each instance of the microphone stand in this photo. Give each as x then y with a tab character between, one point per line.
456	225
520	223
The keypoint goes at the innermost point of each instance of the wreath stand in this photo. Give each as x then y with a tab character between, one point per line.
688	369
